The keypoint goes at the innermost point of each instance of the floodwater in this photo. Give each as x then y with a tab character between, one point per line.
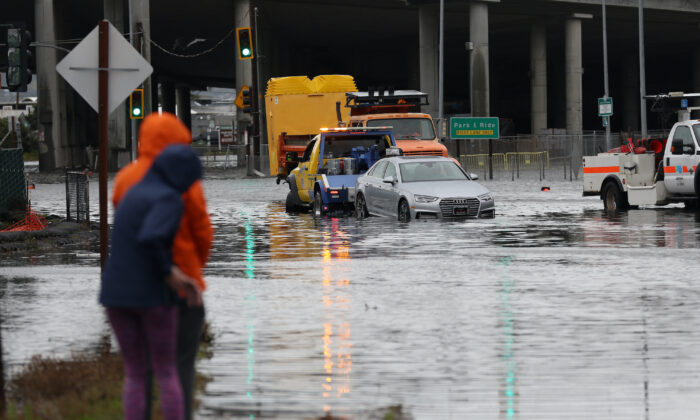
552	310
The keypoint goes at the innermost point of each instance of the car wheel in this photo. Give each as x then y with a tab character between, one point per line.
361	207
318	204
404	211
613	198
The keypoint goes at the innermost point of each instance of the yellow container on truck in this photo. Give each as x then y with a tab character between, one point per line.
297	108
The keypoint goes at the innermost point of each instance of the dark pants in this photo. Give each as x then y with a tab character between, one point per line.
139	330
189	334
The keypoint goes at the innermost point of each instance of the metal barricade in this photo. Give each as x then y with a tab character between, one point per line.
77	196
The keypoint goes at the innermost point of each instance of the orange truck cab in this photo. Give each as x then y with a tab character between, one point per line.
414	131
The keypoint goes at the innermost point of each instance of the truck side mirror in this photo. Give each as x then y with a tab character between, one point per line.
677	147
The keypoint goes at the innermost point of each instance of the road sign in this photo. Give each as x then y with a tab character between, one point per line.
605	107
128	69
474	128
226	134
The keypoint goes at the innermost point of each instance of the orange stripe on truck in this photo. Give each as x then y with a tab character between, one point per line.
669	169
601	169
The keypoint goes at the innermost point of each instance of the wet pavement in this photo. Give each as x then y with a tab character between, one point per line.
554	309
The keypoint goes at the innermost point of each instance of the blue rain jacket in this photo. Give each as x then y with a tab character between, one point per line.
145	224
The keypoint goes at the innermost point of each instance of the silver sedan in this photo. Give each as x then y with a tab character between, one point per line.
421	187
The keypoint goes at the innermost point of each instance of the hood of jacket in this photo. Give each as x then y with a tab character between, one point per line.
159	131
178	166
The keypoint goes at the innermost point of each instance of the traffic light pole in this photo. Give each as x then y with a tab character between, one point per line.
255	112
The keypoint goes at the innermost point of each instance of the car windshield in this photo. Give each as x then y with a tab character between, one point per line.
431	171
407	128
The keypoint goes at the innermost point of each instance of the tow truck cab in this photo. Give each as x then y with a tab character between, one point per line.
632	176
328	170
414	132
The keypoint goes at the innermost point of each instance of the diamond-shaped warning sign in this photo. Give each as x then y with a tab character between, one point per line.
127	68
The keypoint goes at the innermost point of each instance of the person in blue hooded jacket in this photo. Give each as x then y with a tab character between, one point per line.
139	280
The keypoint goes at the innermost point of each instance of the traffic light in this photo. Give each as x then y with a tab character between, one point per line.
246	99
245	43
136	104
18	57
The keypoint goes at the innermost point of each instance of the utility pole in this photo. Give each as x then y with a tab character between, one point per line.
441	61
608	146
2	375
642	75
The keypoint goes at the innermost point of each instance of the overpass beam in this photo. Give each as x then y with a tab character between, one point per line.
167	91
574	87
538	78
428	30
51	104
630	98
184	107
479	59
141	19
119	154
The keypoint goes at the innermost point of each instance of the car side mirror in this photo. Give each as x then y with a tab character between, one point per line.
474	176
389	180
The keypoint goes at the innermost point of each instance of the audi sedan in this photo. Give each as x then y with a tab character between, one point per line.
421	187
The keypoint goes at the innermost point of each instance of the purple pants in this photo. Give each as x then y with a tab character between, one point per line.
140	331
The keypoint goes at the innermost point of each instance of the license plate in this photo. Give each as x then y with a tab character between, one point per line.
459	211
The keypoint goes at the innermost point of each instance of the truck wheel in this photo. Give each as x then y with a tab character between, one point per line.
404	211
292	204
613	198
361	207
318	204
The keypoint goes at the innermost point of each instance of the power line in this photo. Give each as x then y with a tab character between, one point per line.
198	54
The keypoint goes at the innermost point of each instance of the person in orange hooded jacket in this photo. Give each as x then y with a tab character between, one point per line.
192	242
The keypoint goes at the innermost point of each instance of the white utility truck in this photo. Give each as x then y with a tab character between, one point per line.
635	178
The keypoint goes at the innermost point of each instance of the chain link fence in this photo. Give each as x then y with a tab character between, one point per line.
77	196
555	155
13	187
229	156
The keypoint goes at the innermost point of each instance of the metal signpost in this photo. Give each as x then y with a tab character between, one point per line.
605	110
476	128
87	69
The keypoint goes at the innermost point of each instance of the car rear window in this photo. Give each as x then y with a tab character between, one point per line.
431	171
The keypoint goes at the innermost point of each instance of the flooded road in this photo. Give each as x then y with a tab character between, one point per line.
554	309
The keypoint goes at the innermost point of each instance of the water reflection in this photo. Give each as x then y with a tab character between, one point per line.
478	319
508	398
337	301
250	310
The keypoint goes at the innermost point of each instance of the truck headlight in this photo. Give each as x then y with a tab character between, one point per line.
425	198
486	197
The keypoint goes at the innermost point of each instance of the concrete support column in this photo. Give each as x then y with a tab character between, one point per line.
428	39
141	18
574	72
574	89
184	108
630	96
244	68
51	104
117	132
538	78
168	93
479	60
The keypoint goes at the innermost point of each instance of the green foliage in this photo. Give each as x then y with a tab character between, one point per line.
30	134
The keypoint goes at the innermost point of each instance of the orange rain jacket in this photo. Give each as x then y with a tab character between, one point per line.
194	237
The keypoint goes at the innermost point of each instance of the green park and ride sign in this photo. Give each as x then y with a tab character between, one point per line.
474	128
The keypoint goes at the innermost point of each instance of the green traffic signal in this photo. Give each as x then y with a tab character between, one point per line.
245	43
136	104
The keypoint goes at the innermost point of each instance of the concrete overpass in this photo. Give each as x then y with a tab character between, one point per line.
535	62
